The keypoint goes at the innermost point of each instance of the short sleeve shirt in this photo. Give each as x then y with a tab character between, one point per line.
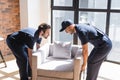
29	37
88	33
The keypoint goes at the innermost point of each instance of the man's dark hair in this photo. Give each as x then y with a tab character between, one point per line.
43	27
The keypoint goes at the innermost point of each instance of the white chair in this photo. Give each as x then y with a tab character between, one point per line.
46	67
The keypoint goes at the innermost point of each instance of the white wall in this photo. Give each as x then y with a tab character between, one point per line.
35	12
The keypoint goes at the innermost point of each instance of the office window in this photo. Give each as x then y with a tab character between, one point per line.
63	2
104	14
115	4
94	18
94	4
115	37
58	17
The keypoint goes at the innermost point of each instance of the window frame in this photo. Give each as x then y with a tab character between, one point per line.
76	9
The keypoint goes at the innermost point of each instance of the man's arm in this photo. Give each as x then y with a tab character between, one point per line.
30	57
85	55
38	43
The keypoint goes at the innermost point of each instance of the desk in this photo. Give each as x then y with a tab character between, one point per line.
3	60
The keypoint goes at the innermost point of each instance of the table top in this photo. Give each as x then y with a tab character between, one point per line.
1	38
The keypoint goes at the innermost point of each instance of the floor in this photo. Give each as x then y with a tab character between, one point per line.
108	71
11	71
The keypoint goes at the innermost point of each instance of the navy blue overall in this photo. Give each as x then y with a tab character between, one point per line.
18	42
102	46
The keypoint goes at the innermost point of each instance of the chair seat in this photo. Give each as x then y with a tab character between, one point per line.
61	68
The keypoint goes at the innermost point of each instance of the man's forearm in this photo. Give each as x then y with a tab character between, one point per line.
30	56
85	55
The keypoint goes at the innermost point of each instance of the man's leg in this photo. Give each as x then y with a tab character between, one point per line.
21	57
95	60
29	67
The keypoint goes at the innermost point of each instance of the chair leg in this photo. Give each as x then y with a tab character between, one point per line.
80	75
3	60
34	67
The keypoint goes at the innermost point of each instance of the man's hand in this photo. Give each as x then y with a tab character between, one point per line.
37	46
83	67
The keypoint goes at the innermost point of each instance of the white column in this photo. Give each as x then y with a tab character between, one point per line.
23	13
45	15
45	11
34	13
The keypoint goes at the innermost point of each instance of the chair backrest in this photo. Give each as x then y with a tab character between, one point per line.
51	49
74	50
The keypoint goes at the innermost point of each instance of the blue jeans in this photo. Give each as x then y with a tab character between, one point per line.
20	52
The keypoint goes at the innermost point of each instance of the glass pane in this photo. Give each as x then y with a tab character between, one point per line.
58	17
93	4
115	37
115	4
62	2
95	18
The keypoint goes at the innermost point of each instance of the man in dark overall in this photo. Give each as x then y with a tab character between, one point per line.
102	46
21	44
